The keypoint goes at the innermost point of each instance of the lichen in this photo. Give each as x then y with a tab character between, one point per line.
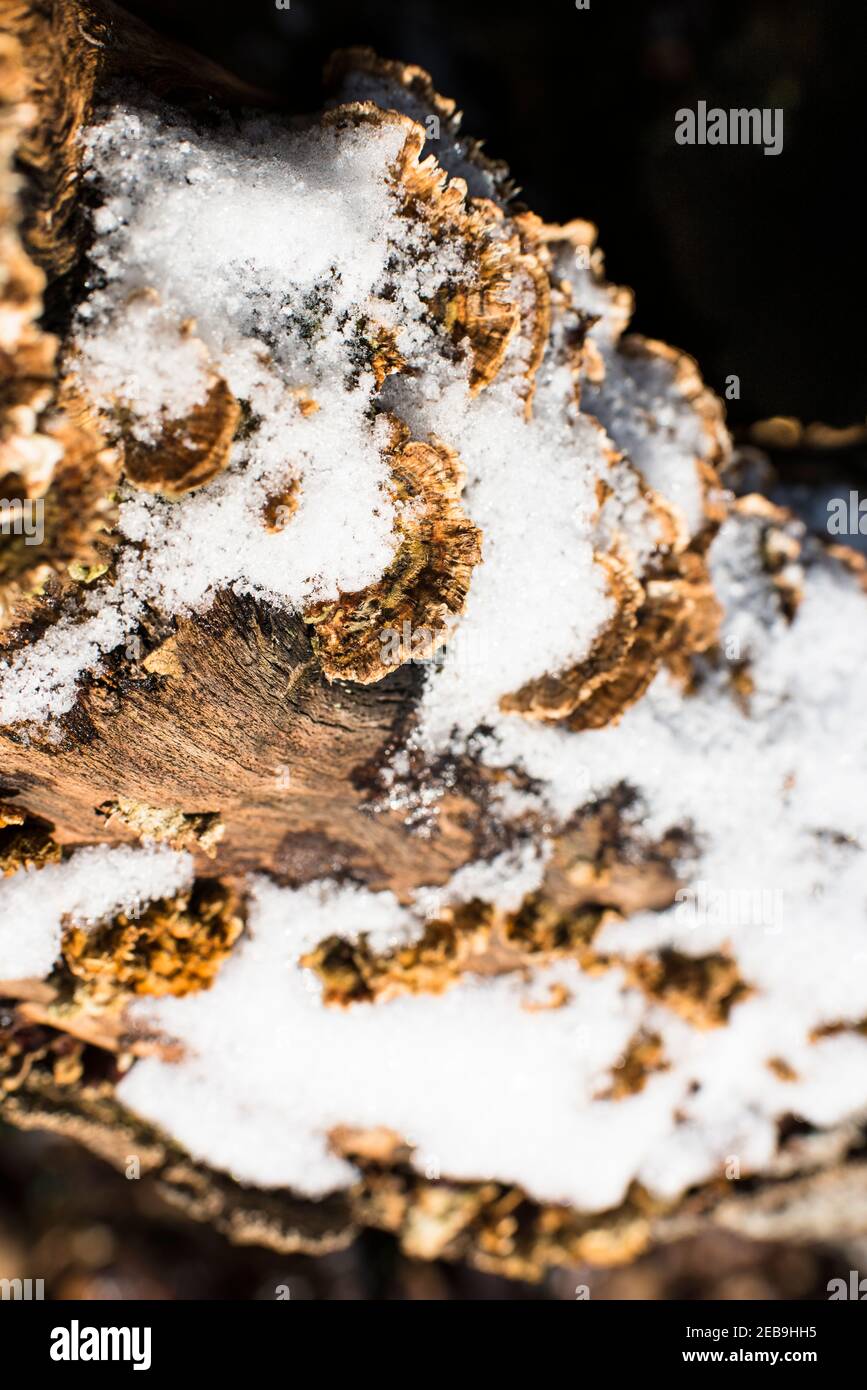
192	830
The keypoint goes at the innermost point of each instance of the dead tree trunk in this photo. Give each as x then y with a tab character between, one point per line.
388	626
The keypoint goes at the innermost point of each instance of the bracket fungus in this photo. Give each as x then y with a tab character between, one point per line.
406	614
560	893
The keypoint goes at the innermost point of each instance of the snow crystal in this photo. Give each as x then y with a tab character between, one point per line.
273	246
142	360
655	426
93	883
483	1083
538	600
452	1070
505	880
257	254
42	679
272	257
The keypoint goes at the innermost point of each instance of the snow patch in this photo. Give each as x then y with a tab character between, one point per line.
92	884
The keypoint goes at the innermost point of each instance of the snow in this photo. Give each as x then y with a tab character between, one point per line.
270	256
272	244
539	599
145	362
486	1087
92	884
450	1070
506	880
490	1089
258	255
42	680
635	391
273	253
455	1071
